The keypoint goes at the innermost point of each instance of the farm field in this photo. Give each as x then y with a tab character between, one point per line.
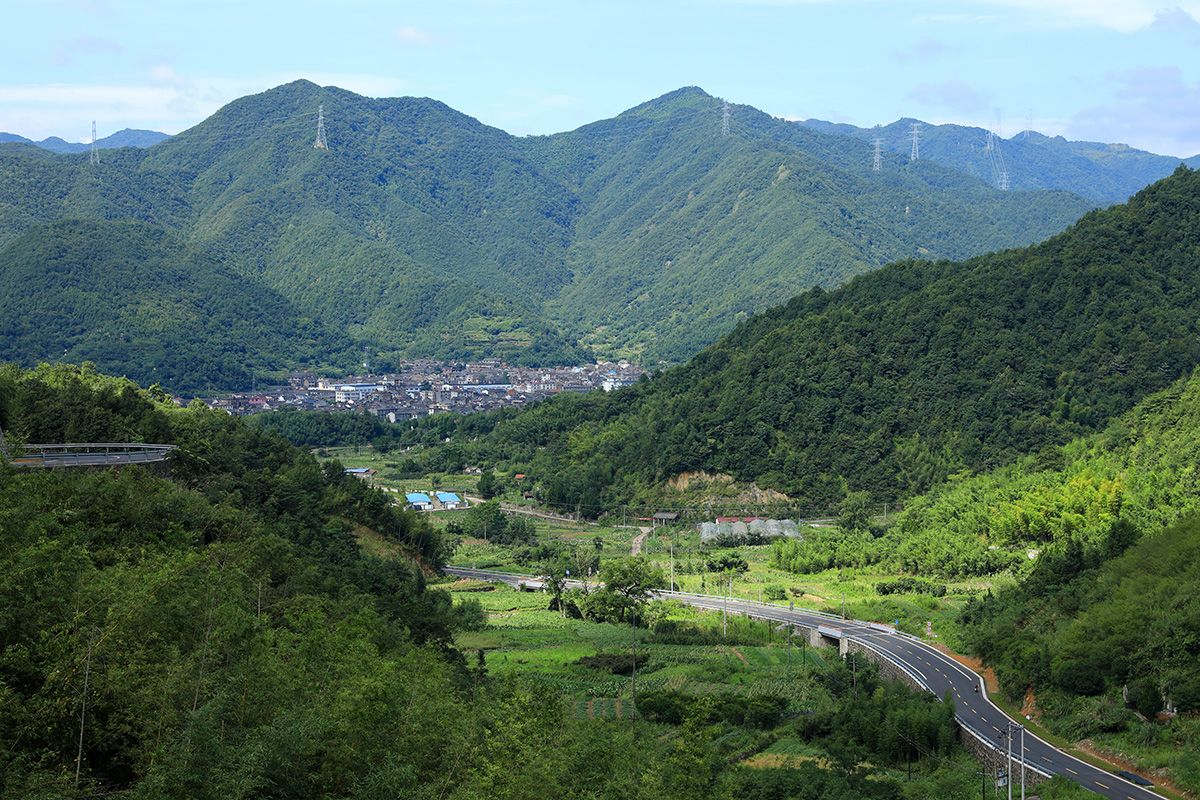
588	665
679	553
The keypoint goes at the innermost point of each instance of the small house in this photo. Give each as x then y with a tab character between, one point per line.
419	501
449	500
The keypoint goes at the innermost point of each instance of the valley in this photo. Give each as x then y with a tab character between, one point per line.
353	448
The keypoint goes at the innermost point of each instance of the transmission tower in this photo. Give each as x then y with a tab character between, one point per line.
877	162
726	113
996	158
94	156
915	153
320	143
1028	124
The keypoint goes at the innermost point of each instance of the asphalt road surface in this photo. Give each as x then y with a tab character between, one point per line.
937	672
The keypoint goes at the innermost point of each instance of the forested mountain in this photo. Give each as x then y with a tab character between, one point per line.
126	137
1139	471
1103	173
420	231
684	231
901	377
133	297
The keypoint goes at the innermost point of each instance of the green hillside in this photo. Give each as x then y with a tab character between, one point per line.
213	628
900	378
685	232
1140	471
421	231
1105	641
132	297
1103	173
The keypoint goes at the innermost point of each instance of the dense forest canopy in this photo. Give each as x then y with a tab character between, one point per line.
133	297
421	232
896	381
211	629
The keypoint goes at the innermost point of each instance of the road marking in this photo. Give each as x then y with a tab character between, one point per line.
1101	785
1048	761
1073	772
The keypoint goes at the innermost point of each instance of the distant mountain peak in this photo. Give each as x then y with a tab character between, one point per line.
126	137
684	96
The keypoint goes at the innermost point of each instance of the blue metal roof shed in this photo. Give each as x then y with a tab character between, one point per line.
418	497
448	497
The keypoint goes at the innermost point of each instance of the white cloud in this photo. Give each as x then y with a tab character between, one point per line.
407	34
924	50
1125	16
1154	108
168	101
81	46
952	94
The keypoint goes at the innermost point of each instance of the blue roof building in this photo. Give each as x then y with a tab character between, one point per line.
448	497
418	499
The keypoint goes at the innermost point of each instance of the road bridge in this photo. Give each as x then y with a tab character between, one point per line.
89	454
924	665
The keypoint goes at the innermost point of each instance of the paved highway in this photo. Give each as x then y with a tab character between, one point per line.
935	671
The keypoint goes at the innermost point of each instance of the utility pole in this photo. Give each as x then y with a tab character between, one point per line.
671	546
1022	762
725	612
87	671
1008	765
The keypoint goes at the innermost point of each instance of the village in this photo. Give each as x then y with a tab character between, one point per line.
426	386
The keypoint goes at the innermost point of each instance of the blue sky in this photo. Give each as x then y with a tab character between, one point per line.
1088	69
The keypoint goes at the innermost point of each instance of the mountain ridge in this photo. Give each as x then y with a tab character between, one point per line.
422	231
126	137
1102	172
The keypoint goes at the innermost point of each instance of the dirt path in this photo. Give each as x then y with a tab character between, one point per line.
635	549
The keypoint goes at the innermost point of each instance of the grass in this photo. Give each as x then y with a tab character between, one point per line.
823	591
523	638
385	464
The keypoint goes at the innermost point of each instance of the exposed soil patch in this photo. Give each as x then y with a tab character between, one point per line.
1029	708
741	657
635	548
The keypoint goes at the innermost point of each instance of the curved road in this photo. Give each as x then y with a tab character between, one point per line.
935	671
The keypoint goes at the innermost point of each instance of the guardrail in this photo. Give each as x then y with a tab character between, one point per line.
962	723
89	454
